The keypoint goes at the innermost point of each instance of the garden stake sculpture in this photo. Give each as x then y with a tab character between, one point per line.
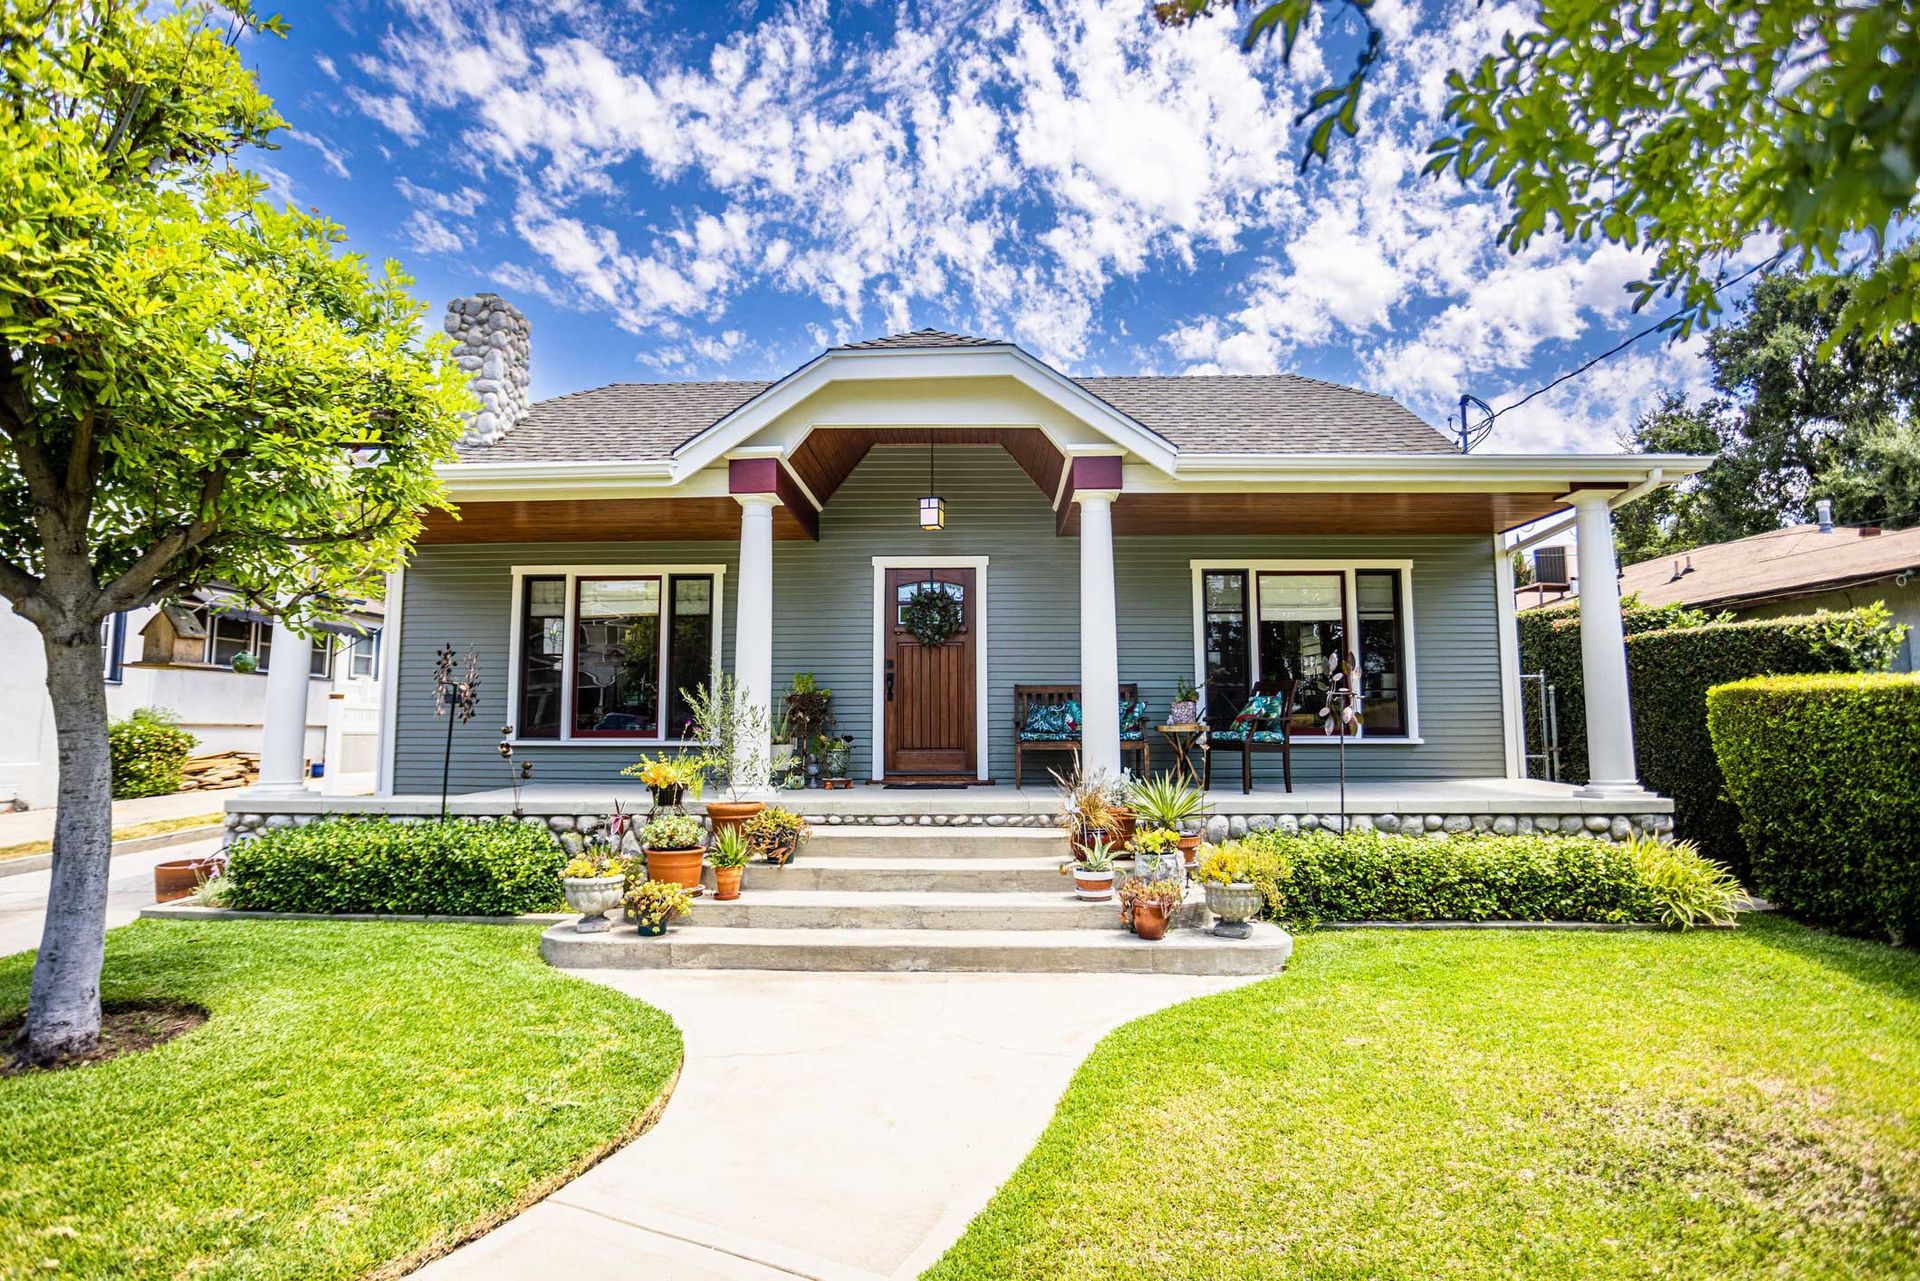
454	699
1341	710
516	774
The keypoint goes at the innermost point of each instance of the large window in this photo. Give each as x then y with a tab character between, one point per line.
232	635
1260	623
606	654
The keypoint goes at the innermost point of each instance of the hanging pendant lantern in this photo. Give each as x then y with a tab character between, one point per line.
933	508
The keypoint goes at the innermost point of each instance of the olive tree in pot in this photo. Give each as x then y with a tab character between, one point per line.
734	729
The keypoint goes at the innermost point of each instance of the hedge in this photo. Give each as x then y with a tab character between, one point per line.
1825	771
1673	659
1309	877
453	868
148	751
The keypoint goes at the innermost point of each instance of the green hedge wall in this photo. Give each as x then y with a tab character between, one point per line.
1670	667
1825	771
455	868
1309	877
148	751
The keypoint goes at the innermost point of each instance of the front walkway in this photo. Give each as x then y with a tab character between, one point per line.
21	826
843	1127
23	898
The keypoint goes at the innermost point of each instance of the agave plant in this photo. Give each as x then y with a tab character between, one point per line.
1166	800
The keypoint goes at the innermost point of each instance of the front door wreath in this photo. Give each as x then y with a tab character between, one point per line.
931	616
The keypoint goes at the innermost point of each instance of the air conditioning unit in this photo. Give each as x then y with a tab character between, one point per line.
1550	566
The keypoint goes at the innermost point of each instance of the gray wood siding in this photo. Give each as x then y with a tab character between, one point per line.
824	619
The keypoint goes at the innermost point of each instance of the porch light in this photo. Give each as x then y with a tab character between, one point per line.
933	508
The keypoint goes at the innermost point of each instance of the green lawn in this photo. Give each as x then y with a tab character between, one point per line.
1480	1104
363	1095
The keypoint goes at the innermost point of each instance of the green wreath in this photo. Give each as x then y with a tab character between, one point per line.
931	616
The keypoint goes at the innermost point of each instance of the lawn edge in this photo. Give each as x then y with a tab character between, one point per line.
20	864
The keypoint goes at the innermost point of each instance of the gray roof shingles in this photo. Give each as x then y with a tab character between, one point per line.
1226	414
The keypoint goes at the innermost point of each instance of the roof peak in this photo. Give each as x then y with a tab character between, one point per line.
921	338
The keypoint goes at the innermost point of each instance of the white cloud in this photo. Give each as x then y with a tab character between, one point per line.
331	156
429	235
326	66
391	110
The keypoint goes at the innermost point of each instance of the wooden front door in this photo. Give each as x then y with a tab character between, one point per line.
929	688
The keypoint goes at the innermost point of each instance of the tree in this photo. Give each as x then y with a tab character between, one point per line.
1800	412
1696	129
195	387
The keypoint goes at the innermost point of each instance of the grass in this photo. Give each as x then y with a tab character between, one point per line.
158	827
1717	1104
363	1096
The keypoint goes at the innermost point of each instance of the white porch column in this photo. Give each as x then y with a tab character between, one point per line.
1099	644
1603	652
753	623
283	735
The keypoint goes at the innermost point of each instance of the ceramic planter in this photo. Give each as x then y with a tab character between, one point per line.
670	799
726	814
1095	887
178	878
1186	712
726	883
784	850
682	867
839	761
1150	921
593	897
1235	904
653	931
1158	867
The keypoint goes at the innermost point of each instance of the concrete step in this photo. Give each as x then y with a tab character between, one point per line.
696	947
832	872
936	842
919	910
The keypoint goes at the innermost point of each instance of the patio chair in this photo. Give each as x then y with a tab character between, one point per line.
1046	718
1259	726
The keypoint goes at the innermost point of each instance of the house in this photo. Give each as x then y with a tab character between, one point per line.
1795	570
616	546
182	657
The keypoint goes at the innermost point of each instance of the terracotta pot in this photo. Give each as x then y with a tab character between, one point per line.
1150	921
1190	851
682	867
181	877
726	814
726	883
1123	834
1095	887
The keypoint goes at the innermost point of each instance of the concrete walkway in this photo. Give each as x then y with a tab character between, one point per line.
842	1127
21	826
23	898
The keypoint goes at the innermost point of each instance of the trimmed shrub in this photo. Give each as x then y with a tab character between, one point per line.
1825	772
149	752
1309	877
1674	657
455	868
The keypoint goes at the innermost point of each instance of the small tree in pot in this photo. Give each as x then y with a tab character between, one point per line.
734	729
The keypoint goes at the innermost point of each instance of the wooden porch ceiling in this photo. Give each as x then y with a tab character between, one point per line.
828	455
598	520
1322	513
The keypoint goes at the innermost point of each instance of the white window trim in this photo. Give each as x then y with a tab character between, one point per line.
882	608
572	573
1253	568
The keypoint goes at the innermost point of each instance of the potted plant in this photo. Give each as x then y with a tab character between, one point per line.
1226	873
1087	810
776	835
1185	708
1169	801
732	726
245	662
651	904
1093	875
1157	855
729	858
1149	905
836	755
183	877
670	778
593	880
673	847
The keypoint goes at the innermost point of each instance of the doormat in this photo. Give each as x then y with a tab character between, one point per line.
925	787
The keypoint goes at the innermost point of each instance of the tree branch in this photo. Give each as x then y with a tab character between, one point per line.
16	584
138	579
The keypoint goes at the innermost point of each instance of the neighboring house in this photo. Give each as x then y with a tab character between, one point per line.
1796	570
180	657
617	546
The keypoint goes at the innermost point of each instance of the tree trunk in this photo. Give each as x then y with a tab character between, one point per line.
63	1011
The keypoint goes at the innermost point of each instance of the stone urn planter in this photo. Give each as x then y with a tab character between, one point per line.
1094	887
182	877
1234	903
682	867
1150	921
593	897
726	814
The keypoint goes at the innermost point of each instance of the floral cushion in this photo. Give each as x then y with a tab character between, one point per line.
1133	720
1052	722
1238	734
1261	707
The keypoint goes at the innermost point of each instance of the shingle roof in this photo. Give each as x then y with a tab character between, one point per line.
1778	564
1228	414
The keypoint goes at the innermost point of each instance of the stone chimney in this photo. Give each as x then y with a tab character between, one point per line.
493	345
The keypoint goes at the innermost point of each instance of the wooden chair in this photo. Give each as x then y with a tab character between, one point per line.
1257	733
1028	697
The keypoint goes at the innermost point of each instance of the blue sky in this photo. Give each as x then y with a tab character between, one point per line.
719	190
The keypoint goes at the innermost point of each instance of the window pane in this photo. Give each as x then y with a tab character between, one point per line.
1228	684
1302	630
616	659
1382	659
232	636
690	650
905	592
320	661
262	642
543	634
365	648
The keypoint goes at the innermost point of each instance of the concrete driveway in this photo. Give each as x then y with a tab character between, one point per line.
842	1127
23	898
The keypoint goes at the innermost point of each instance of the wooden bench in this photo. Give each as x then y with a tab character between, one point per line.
1249	741
1027	697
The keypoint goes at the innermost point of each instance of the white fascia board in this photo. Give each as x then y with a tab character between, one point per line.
596	478
1445	473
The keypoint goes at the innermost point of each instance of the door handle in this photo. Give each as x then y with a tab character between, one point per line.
889	680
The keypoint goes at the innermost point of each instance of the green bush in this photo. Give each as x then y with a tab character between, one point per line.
455	868
1825	772
1673	658
149	751
1310	877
